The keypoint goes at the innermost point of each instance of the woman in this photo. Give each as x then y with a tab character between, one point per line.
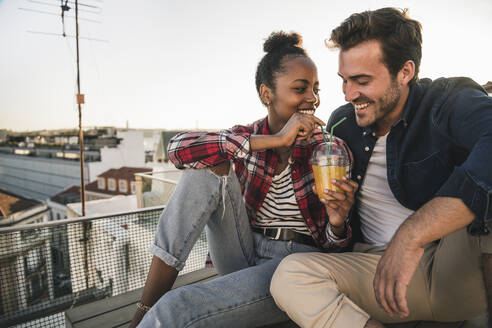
256	211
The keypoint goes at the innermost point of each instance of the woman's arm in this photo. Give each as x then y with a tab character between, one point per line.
298	127
201	149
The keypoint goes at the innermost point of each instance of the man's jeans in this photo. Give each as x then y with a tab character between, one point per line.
246	260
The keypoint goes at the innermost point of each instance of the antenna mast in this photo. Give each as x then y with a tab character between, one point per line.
80	101
91	9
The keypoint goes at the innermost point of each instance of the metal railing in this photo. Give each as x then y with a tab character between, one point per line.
47	268
155	188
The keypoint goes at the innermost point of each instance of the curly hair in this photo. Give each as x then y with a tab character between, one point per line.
399	35
278	46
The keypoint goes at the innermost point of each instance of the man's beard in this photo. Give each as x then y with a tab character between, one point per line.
385	105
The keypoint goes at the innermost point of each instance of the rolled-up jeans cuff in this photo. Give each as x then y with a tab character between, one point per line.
166	257
350	315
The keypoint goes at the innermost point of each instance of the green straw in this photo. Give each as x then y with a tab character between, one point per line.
324	138
331	133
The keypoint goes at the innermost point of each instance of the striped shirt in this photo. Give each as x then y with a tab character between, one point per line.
280	208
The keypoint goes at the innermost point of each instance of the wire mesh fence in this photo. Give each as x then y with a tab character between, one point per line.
48	268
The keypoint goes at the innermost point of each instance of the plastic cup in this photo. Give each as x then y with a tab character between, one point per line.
329	163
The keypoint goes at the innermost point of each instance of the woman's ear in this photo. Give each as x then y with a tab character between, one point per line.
265	94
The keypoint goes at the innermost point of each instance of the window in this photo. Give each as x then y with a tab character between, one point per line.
100	183
133	187
111	184
122	184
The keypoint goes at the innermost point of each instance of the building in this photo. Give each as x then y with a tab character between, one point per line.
488	87
17	210
151	141
59	240
58	203
124	238
40	172
26	271
160	153
111	183
114	182
3	135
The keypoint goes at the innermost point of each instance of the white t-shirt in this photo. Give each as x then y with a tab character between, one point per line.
381	214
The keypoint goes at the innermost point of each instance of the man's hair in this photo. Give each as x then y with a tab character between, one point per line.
399	35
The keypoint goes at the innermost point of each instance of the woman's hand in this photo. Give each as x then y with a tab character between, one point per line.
339	208
298	127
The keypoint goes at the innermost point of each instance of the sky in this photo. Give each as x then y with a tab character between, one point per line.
191	63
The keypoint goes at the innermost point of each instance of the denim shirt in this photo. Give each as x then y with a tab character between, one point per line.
441	146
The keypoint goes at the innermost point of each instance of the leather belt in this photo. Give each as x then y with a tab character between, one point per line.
286	235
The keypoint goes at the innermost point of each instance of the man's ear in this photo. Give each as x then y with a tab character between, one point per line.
266	94
407	72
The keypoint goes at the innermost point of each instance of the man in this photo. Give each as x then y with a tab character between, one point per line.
423	154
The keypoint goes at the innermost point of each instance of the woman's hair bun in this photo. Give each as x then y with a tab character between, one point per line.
279	40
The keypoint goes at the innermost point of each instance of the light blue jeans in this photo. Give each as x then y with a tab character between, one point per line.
240	297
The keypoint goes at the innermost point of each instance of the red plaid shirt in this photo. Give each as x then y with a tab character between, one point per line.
255	170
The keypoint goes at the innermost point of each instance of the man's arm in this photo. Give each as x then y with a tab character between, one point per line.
439	217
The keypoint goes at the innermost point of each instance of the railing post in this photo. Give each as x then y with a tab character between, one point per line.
86	227
139	185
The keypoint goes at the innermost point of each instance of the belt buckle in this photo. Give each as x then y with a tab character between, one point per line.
285	234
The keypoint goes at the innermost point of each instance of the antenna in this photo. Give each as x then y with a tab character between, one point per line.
80	101
65	6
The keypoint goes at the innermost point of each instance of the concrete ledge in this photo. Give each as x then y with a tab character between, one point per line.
118	311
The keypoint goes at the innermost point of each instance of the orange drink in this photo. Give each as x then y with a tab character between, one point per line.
329	161
323	175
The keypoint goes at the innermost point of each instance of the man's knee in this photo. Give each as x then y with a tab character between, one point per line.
221	169
284	277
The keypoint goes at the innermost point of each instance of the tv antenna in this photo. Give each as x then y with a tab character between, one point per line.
66	6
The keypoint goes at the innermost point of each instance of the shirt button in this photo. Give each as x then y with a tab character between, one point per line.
364	133
374	134
359	177
366	149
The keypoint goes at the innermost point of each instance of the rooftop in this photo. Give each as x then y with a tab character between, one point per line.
124	172
11	203
69	195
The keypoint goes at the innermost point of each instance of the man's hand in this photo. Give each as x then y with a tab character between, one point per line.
435	219
393	275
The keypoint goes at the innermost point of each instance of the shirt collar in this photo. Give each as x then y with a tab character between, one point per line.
409	105
263	127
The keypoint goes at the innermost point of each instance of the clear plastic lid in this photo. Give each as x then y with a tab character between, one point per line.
338	156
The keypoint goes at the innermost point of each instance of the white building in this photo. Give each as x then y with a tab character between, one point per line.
26	272
124	238
42	177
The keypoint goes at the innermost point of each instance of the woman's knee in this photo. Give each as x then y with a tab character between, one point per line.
221	169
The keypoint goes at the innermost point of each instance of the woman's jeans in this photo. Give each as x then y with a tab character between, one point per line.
246	261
